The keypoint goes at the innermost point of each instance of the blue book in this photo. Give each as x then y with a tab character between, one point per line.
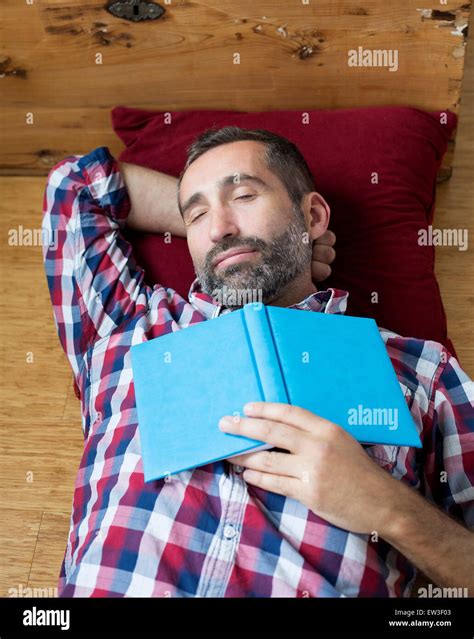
336	366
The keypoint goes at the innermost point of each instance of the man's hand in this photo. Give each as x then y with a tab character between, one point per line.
323	255
326	469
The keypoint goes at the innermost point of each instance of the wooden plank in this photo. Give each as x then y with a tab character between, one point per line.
292	56
49	552
455	210
42	438
18	535
38	463
36	369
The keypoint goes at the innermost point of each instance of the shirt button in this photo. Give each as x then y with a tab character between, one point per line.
229	531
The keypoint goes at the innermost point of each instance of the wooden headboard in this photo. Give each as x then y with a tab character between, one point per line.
66	63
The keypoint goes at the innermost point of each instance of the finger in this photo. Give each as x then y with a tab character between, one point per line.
320	271
296	416
323	253
288	486
275	433
285	413
328	237
271	461
239	460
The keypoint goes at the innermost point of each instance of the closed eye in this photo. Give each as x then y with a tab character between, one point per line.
241	197
196	217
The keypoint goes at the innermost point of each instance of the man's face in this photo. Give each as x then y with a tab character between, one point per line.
243	231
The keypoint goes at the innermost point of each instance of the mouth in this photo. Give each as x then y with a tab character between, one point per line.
234	256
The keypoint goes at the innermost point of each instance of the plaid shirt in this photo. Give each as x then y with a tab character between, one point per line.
205	532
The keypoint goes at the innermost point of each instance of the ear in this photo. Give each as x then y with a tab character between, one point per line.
317	214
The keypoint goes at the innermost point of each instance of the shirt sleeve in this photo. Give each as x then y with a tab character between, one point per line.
93	279
449	447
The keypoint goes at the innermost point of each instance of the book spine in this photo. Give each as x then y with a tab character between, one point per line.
263	349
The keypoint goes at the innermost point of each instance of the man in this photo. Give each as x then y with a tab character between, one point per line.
328	518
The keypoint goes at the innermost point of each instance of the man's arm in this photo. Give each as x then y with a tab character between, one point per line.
434	542
329	472
93	283
154	203
442	548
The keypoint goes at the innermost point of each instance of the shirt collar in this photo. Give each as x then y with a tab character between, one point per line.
332	300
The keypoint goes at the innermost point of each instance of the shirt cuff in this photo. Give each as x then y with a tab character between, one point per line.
102	177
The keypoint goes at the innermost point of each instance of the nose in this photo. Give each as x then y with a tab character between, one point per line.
223	224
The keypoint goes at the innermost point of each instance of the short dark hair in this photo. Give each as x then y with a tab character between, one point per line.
282	157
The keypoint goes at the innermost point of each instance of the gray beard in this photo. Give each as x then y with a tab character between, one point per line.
281	260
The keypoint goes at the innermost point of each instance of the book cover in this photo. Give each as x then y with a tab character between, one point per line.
336	366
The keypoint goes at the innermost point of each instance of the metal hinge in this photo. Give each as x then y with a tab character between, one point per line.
135	10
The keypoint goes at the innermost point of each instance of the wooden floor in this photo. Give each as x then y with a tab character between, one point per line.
41	439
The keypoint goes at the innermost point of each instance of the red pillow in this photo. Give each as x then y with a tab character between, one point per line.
376	167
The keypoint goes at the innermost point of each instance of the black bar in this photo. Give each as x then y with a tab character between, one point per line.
168	617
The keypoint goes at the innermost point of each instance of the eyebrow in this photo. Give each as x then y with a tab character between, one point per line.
229	180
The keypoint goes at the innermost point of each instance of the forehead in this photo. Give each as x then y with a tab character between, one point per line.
246	156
